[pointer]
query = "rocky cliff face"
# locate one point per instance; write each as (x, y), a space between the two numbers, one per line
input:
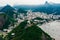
(2, 20)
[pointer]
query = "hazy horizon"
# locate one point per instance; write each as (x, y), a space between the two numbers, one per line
(26, 2)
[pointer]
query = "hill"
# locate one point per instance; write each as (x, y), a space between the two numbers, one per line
(49, 8)
(5, 20)
(31, 33)
(8, 10)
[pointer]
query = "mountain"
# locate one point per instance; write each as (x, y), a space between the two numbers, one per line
(1, 8)
(8, 10)
(20, 10)
(5, 21)
(6, 16)
(49, 8)
(2, 20)
(25, 7)
(30, 33)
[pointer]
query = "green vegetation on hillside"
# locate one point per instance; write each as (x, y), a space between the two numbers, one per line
(7, 20)
(31, 33)
(1, 37)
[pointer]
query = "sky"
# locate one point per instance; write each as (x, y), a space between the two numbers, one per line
(26, 2)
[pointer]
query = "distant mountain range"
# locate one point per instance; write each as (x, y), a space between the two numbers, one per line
(49, 8)
(0, 8)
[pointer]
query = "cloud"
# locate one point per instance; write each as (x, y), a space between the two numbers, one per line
(26, 2)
